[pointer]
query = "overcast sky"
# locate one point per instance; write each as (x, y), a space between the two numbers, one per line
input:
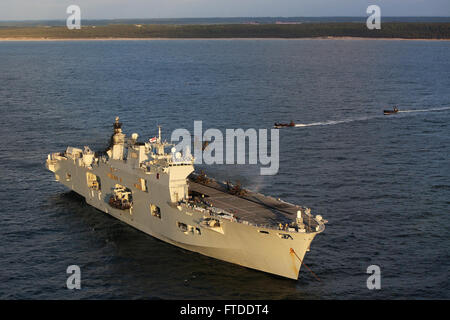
(112, 9)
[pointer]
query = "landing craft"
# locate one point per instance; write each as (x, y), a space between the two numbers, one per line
(159, 193)
(393, 111)
(284, 125)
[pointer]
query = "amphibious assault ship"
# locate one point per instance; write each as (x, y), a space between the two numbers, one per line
(159, 193)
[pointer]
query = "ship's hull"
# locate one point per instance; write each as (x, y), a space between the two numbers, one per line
(233, 242)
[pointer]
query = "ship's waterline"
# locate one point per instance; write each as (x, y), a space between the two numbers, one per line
(158, 193)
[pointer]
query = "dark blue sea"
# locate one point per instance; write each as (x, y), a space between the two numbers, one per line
(382, 182)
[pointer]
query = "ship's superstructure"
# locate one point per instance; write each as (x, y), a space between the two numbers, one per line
(159, 193)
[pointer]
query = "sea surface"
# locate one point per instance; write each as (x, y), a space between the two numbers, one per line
(382, 182)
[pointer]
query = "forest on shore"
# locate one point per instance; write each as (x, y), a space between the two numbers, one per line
(404, 30)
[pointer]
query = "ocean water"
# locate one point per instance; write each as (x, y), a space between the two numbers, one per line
(383, 182)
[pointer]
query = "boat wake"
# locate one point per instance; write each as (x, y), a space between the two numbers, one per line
(426, 110)
(333, 122)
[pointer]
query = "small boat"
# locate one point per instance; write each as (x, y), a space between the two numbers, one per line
(284, 125)
(121, 198)
(118, 203)
(393, 111)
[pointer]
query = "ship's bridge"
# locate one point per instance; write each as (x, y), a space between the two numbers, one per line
(171, 167)
(175, 165)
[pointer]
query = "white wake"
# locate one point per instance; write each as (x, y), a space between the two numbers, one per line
(333, 122)
(426, 110)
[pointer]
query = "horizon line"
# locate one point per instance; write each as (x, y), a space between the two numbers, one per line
(231, 17)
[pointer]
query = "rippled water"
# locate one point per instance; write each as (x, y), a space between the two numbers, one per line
(381, 181)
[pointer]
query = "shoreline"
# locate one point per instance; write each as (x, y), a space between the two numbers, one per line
(19, 39)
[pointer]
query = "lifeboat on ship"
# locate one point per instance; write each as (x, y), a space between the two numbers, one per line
(121, 198)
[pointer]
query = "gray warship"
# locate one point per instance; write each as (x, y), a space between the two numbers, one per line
(159, 193)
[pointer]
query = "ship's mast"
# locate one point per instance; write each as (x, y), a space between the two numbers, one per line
(118, 141)
(159, 145)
